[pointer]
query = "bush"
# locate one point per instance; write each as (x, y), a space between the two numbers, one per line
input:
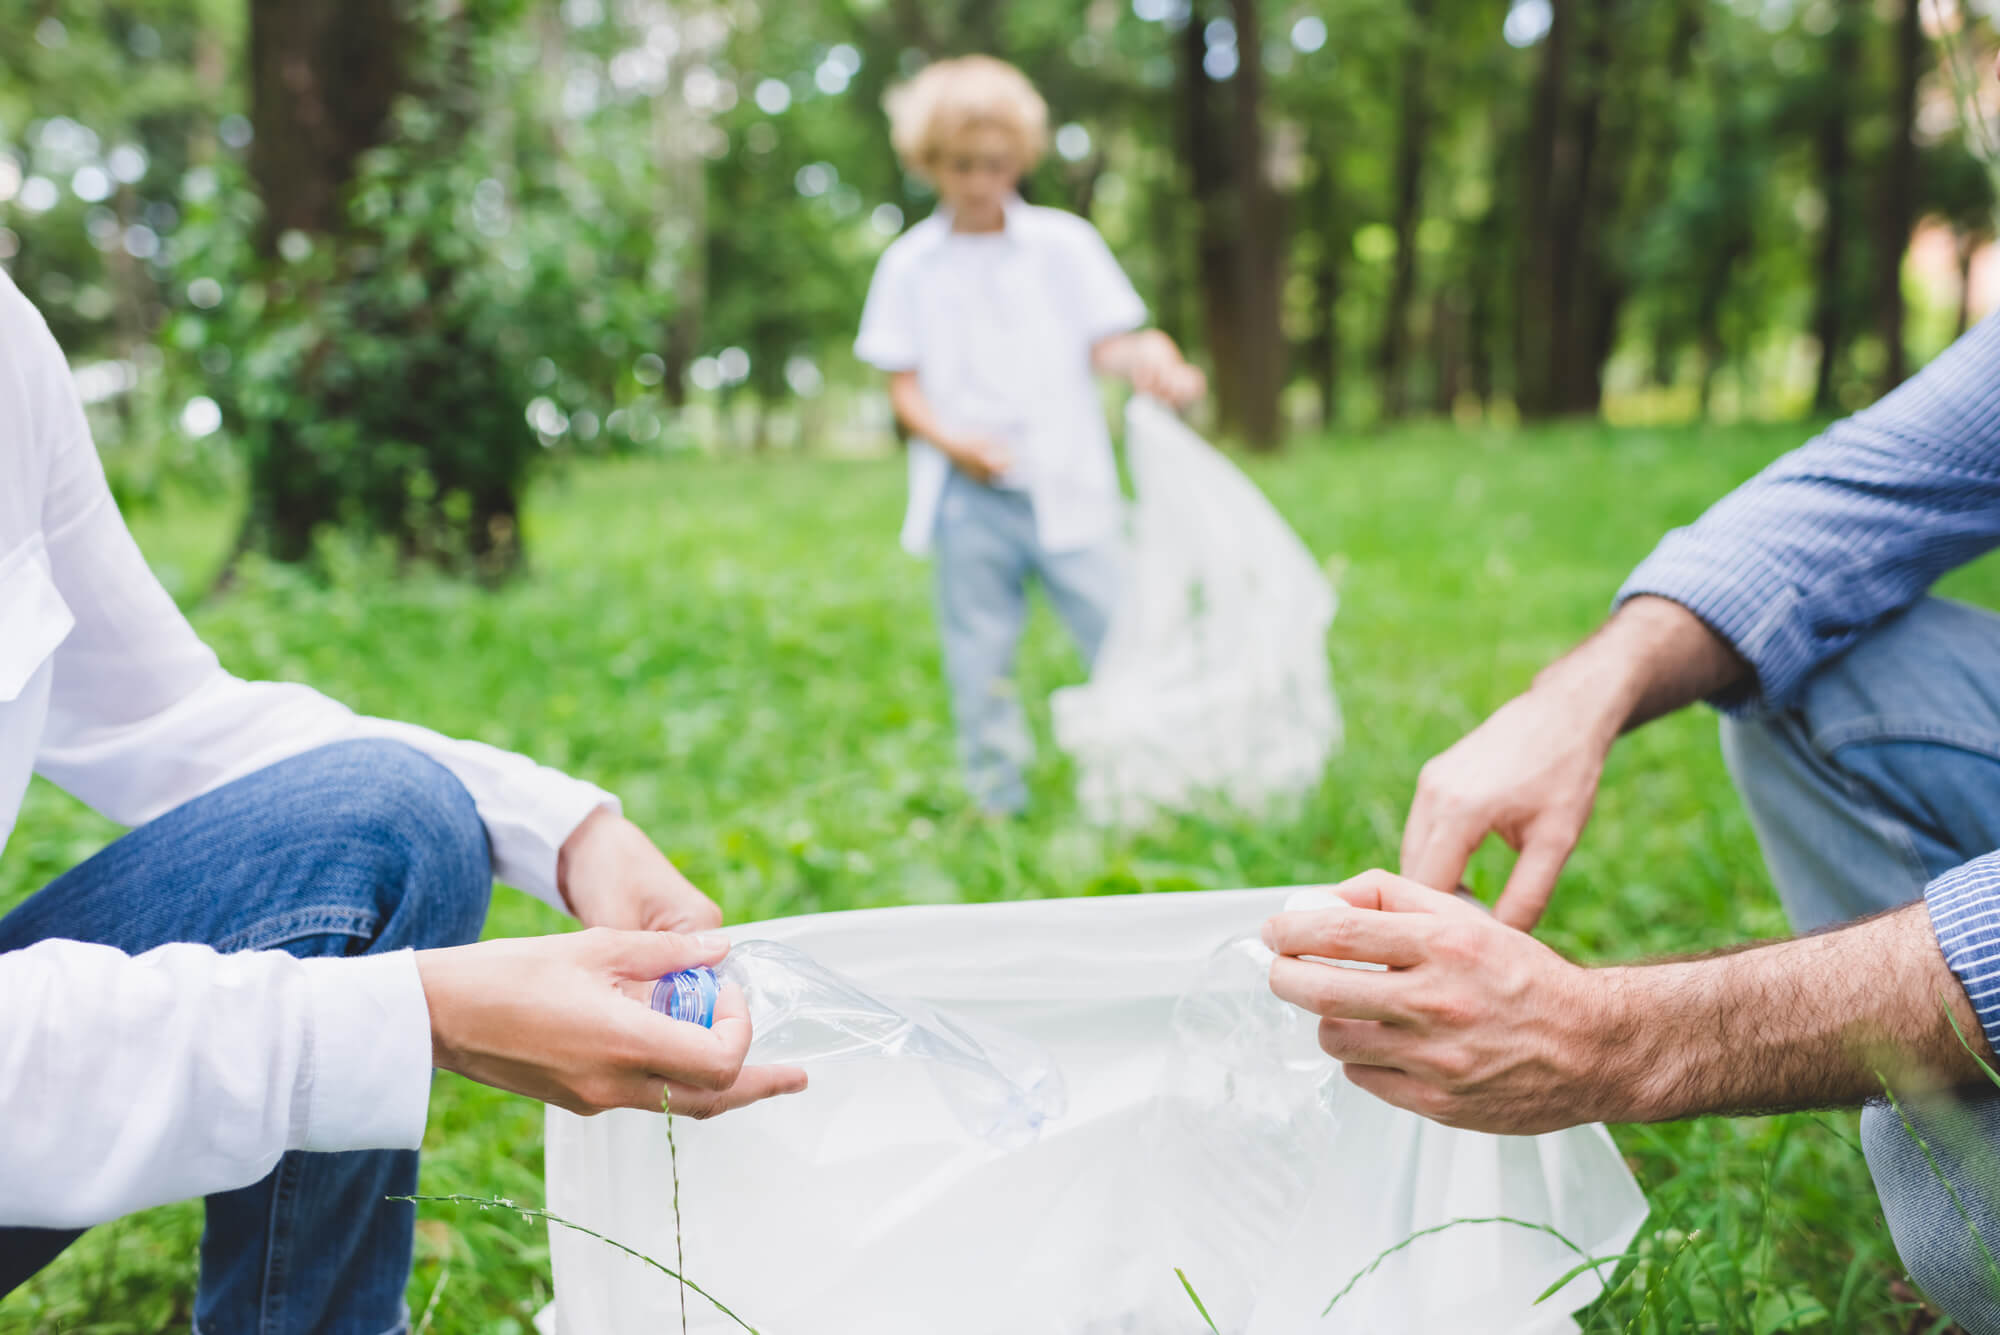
(482, 305)
(375, 381)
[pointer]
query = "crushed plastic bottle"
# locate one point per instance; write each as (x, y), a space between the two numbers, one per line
(1001, 1087)
(688, 995)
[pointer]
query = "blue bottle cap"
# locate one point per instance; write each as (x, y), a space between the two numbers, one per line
(688, 995)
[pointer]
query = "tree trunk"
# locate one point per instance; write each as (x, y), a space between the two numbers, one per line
(683, 177)
(1082, 182)
(323, 76)
(1587, 133)
(1208, 184)
(1602, 284)
(1575, 296)
(1448, 324)
(1259, 243)
(1735, 234)
(1658, 135)
(1481, 323)
(1169, 240)
(1539, 260)
(1412, 134)
(1323, 348)
(1733, 247)
(979, 20)
(1899, 185)
(1830, 150)
(913, 27)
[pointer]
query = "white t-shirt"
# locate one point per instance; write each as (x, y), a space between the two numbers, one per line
(130, 1081)
(999, 328)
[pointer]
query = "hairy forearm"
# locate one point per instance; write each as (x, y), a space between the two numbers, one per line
(1651, 658)
(1820, 1021)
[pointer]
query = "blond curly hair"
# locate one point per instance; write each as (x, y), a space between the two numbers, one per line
(952, 96)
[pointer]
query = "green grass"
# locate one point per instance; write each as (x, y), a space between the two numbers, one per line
(740, 650)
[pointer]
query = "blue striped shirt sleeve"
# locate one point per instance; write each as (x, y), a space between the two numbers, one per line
(1799, 562)
(1964, 905)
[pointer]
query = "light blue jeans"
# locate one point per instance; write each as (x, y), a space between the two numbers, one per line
(986, 548)
(352, 849)
(1885, 774)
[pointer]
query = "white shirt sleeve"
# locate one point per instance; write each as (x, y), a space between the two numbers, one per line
(142, 716)
(128, 1082)
(888, 340)
(1105, 302)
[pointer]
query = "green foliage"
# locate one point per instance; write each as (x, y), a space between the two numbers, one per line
(589, 204)
(744, 655)
(379, 381)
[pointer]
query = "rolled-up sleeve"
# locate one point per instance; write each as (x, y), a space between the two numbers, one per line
(1964, 905)
(1798, 563)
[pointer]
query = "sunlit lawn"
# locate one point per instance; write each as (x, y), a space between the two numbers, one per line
(741, 651)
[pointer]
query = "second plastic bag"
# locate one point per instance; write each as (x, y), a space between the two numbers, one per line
(1212, 684)
(1201, 1132)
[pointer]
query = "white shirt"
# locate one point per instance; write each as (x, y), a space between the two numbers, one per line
(999, 329)
(129, 1081)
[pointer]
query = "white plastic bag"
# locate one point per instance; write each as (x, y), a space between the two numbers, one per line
(1212, 682)
(1001, 1087)
(1191, 1142)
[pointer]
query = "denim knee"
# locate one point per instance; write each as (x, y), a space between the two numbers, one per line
(1933, 1233)
(418, 829)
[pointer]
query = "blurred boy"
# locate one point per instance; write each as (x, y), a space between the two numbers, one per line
(990, 317)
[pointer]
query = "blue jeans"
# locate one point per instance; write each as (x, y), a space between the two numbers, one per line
(1885, 774)
(987, 548)
(355, 848)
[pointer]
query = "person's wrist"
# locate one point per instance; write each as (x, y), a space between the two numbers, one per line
(1601, 684)
(1633, 1078)
(597, 825)
(437, 970)
(1594, 691)
(1666, 657)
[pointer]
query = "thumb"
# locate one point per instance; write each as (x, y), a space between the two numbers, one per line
(652, 954)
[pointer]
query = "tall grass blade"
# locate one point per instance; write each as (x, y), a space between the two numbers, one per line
(437, 1292)
(531, 1212)
(1937, 1171)
(1587, 1263)
(1658, 1278)
(674, 1168)
(1195, 1298)
(1945, 1004)
(1388, 1252)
